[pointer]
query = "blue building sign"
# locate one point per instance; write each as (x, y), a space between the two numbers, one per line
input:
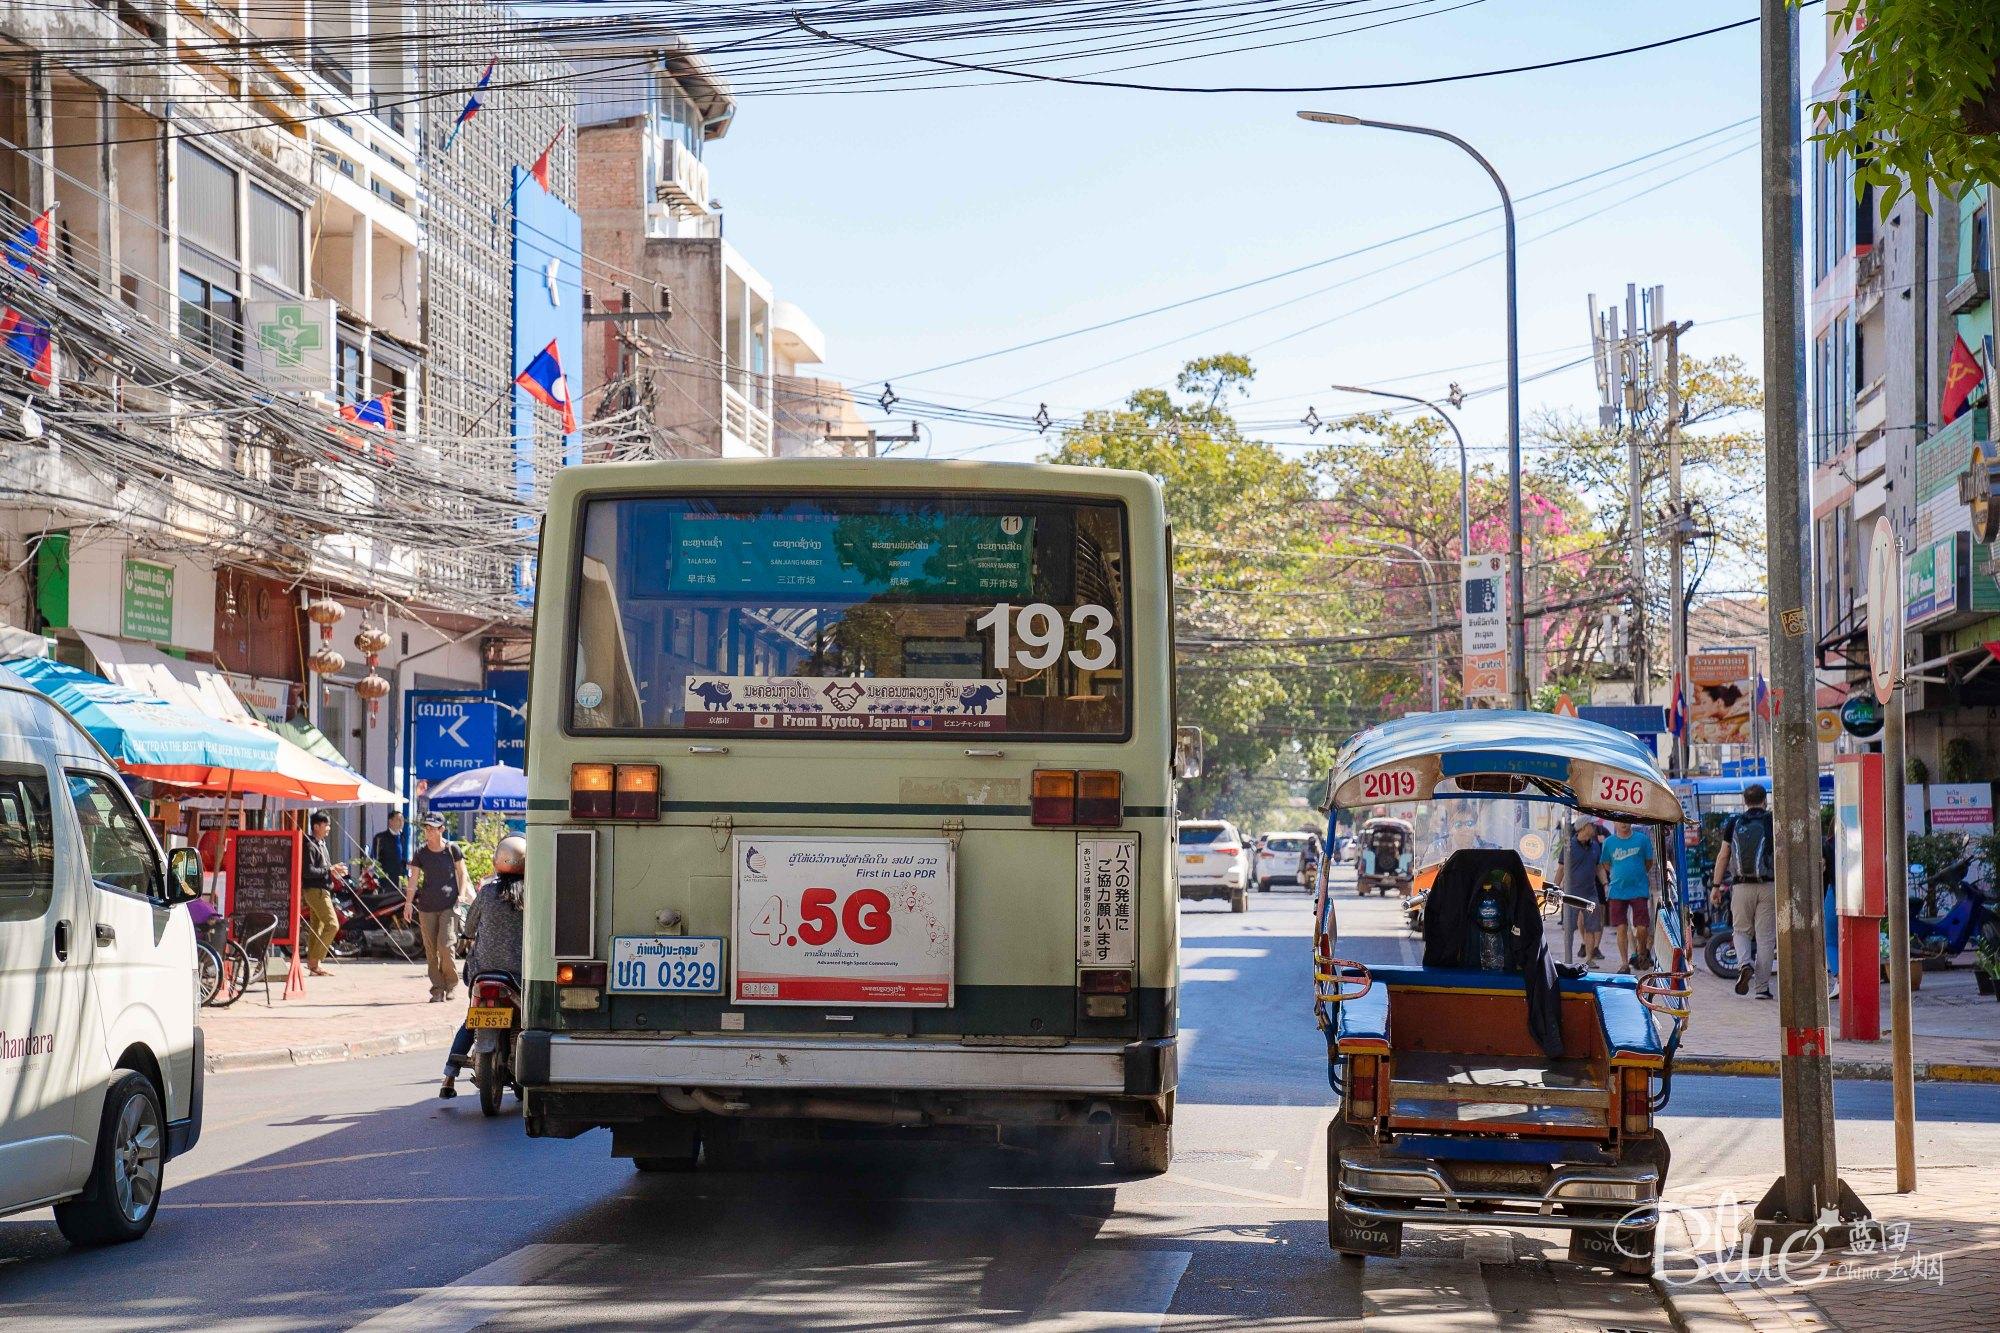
(450, 736)
(509, 688)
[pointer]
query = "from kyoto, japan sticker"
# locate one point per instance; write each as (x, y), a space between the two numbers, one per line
(1107, 881)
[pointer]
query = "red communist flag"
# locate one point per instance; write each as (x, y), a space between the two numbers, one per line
(1961, 374)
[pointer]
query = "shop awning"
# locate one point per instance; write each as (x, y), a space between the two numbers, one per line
(196, 685)
(141, 731)
(317, 744)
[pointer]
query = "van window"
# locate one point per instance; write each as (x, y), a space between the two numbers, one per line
(114, 837)
(27, 848)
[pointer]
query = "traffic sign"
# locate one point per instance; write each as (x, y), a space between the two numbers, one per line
(451, 736)
(1885, 613)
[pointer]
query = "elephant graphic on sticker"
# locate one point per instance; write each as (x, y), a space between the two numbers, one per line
(715, 696)
(975, 698)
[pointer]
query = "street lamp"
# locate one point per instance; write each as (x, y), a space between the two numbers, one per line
(1464, 471)
(1430, 594)
(1517, 634)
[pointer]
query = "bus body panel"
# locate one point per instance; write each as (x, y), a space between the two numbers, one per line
(1016, 893)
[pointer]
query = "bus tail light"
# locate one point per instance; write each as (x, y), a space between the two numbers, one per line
(637, 792)
(1636, 1100)
(590, 791)
(1100, 798)
(1361, 1087)
(580, 985)
(1104, 981)
(1052, 794)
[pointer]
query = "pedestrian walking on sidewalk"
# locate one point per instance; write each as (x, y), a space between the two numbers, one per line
(316, 871)
(1747, 856)
(1628, 890)
(437, 884)
(391, 850)
(1583, 874)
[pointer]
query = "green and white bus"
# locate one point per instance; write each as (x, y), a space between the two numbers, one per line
(850, 801)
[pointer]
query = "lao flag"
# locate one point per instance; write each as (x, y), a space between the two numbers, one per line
(31, 342)
(540, 171)
(472, 103)
(1761, 702)
(1961, 375)
(543, 379)
(28, 248)
(1676, 712)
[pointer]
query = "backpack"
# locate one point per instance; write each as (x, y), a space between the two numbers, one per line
(1750, 845)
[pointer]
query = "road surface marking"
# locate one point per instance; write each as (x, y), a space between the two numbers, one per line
(771, 1294)
(1203, 954)
(1209, 974)
(1265, 1157)
(355, 1203)
(1113, 1291)
(467, 1302)
(1421, 1295)
(1221, 1188)
(320, 1161)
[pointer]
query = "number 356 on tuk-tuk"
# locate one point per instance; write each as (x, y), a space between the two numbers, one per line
(1490, 1086)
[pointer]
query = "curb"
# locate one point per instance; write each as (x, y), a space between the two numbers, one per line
(330, 1052)
(1926, 1071)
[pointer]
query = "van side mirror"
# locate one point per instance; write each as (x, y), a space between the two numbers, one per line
(1187, 753)
(183, 875)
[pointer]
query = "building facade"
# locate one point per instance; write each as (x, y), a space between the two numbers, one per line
(689, 347)
(1893, 300)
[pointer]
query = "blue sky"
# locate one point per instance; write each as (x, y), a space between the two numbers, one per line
(921, 227)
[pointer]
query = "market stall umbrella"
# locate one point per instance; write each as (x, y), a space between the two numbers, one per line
(502, 788)
(142, 732)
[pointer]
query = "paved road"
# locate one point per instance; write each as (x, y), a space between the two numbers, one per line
(347, 1196)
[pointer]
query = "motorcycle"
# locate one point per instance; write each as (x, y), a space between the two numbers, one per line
(371, 918)
(495, 1018)
(1947, 911)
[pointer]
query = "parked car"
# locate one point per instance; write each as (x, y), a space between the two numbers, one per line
(1280, 859)
(1213, 863)
(100, 1058)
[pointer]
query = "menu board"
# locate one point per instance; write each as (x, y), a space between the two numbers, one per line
(814, 556)
(264, 877)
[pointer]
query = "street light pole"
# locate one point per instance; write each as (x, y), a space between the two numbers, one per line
(1464, 468)
(1517, 632)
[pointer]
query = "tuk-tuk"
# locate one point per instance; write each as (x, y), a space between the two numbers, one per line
(1490, 1086)
(1388, 851)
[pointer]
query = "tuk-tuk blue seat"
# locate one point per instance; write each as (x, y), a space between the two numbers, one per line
(1361, 1025)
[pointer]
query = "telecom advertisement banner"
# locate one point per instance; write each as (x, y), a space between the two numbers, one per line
(1483, 580)
(843, 921)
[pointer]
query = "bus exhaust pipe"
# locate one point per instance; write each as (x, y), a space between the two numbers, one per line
(691, 1101)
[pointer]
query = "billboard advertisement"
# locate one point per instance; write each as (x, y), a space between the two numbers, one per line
(1483, 633)
(1721, 686)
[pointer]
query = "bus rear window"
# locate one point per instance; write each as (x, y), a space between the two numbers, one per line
(900, 616)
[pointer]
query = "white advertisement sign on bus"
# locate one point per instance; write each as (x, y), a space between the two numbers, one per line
(1107, 878)
(850, 922)
(844, 703)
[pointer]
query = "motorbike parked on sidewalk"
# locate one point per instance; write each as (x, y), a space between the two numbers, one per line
(495, 1020)
(371, 918)
(1947, 911)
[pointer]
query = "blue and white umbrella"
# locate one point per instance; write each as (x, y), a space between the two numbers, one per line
(501, 788)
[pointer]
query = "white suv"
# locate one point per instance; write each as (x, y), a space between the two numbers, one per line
(100, 1058)
(1213, 864)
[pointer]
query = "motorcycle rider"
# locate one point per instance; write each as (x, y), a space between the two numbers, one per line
(492, 939)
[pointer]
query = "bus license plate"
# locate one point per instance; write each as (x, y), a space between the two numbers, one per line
(666, 965)
(489, 1018)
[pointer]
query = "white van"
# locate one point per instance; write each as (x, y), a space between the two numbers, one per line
(100, 1058)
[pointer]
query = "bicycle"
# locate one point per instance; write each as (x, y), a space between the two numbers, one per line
(208, 974)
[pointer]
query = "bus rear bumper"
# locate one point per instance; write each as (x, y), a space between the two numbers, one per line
(1080, 1068)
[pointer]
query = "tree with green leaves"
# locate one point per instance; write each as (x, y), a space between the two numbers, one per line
(1921, 81)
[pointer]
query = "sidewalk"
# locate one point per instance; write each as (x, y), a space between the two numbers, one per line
(1938, 1271)
(363, 1008)
(1955, 1032)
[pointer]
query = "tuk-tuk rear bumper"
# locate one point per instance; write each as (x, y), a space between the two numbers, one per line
(1605, 1197)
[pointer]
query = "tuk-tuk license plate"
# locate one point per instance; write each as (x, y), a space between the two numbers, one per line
(489, 1018)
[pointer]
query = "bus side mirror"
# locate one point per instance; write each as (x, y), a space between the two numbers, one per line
(183, 875)
(1187, 753)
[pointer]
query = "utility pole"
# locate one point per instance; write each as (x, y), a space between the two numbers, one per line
(1681, 524)
(1810, 1192)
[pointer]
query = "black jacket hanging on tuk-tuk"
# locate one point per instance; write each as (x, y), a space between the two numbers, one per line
(1482, 915)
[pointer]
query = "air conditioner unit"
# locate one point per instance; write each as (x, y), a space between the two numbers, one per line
(684, 184)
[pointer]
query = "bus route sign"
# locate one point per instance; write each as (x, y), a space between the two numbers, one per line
(852, 922)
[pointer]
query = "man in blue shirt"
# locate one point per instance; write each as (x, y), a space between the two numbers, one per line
(1629, 893)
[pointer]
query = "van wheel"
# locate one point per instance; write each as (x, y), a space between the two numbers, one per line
(123, 1193)
(1145, 1150)
(1239, 901)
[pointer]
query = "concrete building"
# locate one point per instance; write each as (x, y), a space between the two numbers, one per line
(1891, 298)
(683, 331)
(256, 225)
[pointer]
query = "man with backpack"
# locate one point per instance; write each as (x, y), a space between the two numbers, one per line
(1749, 849)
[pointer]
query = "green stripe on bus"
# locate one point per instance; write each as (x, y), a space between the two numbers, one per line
(841, 808)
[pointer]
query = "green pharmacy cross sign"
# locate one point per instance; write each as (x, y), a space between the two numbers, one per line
(288, 335)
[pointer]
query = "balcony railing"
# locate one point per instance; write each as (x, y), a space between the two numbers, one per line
(748, 425)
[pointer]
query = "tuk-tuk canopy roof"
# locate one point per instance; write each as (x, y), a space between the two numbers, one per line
(1499, 753)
